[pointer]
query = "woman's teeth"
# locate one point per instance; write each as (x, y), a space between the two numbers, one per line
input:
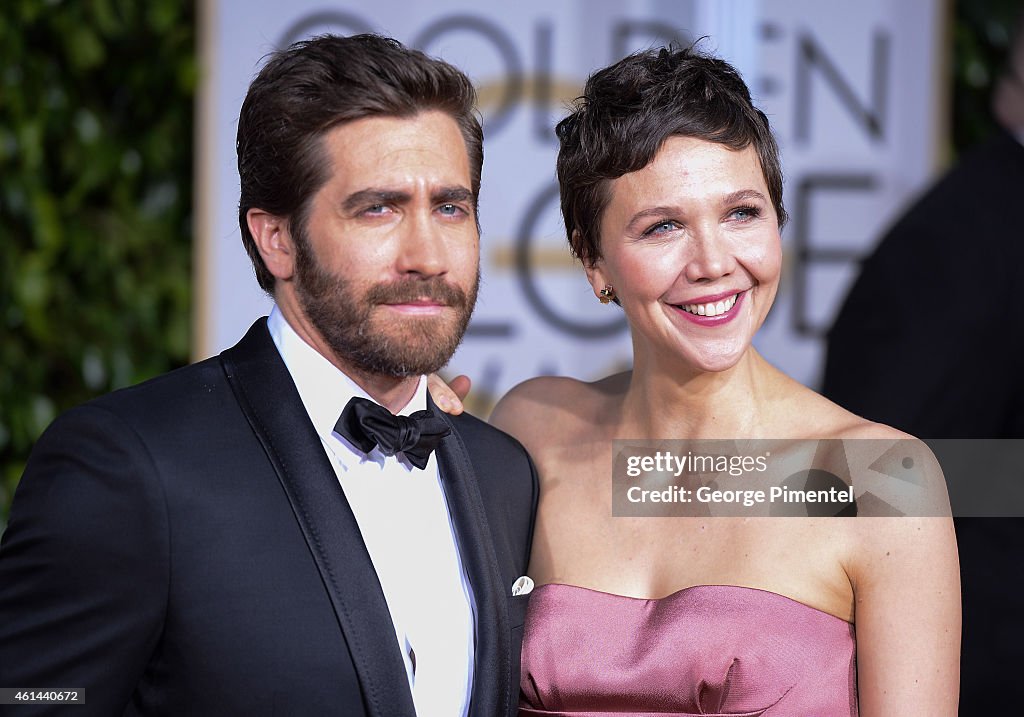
(712, 309)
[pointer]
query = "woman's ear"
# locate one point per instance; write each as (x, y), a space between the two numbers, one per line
(591, 266)
(274, 242)
(600, 282)
(596, 277)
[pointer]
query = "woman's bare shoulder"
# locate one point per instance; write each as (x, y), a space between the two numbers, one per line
(554, 403)
(894, 474)
(815, 416)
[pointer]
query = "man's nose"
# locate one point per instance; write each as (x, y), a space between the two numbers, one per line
(422, 247)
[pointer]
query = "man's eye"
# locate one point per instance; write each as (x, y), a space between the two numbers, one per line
(450, 209)
(375, 209)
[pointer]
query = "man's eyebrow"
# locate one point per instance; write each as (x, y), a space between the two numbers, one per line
(358, 200)
(452, 194)
(362, 198)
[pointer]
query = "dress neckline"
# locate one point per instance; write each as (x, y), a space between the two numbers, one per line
(691, 589)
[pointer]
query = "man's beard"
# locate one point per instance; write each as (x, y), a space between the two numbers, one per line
(399, 347)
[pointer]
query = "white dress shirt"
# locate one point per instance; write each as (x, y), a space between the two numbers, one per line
(405, 524)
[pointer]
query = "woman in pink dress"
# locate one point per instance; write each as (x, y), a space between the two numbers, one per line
(671, 191)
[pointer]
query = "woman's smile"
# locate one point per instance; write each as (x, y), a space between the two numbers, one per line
(712, 310)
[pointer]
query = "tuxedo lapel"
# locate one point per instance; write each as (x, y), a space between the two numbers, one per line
(268, 397)
(491, 691)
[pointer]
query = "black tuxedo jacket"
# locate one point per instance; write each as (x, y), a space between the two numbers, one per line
(183, 547)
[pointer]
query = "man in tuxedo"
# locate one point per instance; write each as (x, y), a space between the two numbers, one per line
(287, 528)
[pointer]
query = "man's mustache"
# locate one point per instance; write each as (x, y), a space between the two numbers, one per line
(406, 291)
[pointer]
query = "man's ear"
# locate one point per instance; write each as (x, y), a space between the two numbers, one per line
(274, 242)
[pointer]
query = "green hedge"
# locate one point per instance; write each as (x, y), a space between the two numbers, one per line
(96, 102)
(96, 105)
(982, 32)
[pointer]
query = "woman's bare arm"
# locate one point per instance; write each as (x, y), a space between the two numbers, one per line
(906, 580)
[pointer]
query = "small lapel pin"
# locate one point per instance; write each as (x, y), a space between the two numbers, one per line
(522, 586)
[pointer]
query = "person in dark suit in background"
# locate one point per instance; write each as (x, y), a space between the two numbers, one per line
(259, 533)
(929, 341)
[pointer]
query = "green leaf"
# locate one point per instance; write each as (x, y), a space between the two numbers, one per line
(84, 48)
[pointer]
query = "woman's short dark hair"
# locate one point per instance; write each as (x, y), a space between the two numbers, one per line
(316, 85)
(626, 113)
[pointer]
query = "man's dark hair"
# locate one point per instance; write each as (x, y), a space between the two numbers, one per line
(626, 113)
(315, 85)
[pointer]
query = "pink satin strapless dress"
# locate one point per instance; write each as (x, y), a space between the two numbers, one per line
(707, 650)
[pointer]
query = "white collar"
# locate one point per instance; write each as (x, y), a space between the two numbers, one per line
(323, 388)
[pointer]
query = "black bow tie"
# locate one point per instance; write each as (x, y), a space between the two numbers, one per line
(367, 424)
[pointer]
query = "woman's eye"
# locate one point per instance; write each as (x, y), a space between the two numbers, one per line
(660, 228)
(745, 213)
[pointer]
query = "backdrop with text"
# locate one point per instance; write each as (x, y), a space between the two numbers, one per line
(854, 92)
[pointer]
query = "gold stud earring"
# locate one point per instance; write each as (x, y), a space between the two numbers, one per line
(606, 294)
